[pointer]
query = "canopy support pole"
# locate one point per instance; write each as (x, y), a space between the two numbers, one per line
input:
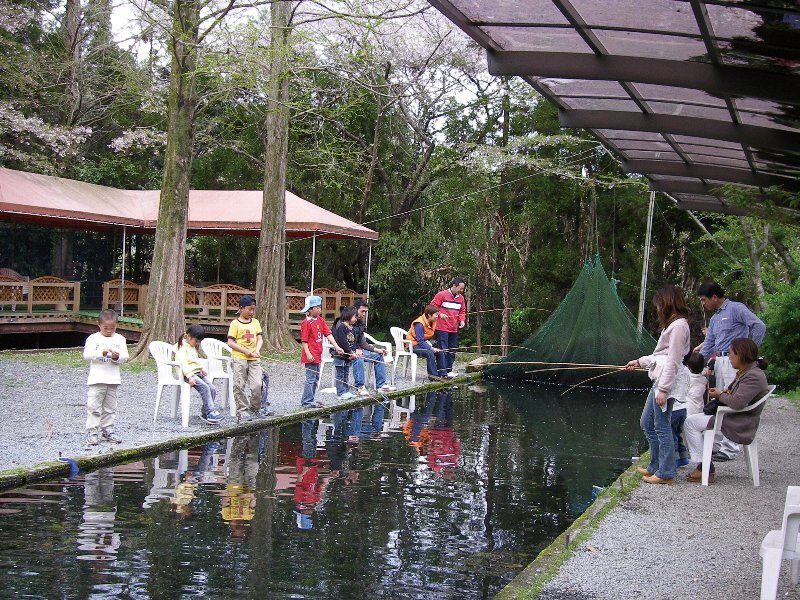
(122, 278)
(646, 264)
(369, 274)
(313, 260)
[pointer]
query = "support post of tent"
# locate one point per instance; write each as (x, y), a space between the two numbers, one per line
(313, 260)
(646, 264)
(369, 274)
(122, 277)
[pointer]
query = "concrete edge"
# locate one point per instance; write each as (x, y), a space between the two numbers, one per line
(12, 478)
(530, 582)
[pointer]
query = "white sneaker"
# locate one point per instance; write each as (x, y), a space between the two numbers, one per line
(388, 388)
(452, 374)
(363, 391)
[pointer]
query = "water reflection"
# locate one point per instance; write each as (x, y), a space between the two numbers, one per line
(445, 494)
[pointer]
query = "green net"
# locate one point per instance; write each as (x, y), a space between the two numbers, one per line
(591, 327)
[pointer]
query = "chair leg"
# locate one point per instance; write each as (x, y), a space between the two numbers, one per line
(174, 400)
(231, 399)
(794, 570)
(708, 446)
(770, 571)
(412, 360)
(158, 400)
(185, 392)
(752, 462)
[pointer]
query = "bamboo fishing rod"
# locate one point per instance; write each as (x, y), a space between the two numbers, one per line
(616, 370)
(580, 368)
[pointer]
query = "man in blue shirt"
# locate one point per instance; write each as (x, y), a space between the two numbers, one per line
(730, 320)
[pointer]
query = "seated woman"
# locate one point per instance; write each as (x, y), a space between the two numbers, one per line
(750, 385)
(422, 329)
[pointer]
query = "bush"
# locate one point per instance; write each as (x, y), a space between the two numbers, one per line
(781, 345)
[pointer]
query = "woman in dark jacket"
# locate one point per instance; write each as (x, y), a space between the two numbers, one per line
(748, 387)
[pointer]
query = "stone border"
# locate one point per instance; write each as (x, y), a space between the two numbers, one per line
(58, 468)
(530, 582)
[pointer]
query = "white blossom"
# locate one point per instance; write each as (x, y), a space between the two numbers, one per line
(140, 138)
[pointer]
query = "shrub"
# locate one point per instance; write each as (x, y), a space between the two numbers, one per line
(781, 345)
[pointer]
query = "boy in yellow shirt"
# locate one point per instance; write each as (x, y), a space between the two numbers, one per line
(245, 341)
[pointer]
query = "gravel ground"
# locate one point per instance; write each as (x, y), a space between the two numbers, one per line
(46, 403)
(687, 541)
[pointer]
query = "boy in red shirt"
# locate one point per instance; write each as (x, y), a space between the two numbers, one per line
(313, 330)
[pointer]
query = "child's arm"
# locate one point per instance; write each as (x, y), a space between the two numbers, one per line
(307, 351)
(259, 343)
(91, 350)
(234, 346)
(122, 355)
(335, 344)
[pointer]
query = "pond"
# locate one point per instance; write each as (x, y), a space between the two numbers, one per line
(447, 494)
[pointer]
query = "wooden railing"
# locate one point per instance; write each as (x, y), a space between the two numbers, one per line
(40, 295)
(219, 302)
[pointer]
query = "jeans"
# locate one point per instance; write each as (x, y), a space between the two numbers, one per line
(371, 358)
(342, 374)
(678, 418)
(447, 339)
(206, 391)
(310, 385)
(430, 356)
(657, 427)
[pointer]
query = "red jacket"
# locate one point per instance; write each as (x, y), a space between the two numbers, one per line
(451, 310)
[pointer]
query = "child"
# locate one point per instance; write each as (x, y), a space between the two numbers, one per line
(312, 331)
(106, 351)
(186, 356)
(345, 351)
(245, 341)
(698, 384)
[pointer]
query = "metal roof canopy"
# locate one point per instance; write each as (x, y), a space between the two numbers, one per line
(691, 93)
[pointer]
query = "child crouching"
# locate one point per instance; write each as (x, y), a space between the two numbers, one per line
(197, 377)
(105, 350)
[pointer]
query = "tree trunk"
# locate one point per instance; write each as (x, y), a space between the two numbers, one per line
(786, 257)
(755, 252)
(72, 54)
(271, 274)
(163, 317)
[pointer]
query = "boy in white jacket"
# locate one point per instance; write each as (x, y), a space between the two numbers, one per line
(106, 351)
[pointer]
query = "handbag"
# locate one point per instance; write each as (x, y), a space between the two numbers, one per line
(711, 407)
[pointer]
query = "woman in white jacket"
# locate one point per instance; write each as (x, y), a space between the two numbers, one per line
(665, 368)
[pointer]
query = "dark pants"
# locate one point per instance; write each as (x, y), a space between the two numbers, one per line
(681, 451)
(429, 356)
(446, 340)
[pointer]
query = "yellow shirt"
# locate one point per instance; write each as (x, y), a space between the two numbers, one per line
(245, 335)
(188, 359)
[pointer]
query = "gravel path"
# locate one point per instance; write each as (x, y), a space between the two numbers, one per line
(46, 407)
(686, 541)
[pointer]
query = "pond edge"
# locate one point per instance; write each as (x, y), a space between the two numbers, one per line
(530, 582)
(12, 478)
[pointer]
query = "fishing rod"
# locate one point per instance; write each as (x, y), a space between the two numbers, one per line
(616, 370)
(580, 368)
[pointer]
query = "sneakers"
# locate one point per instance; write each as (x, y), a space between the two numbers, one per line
(112, 437)
(452, 374)
(91, 440)
(363, 391)
(721, 457)
(436, 378)
(265, 412)
(387, 388)
(244, 416)
(681, 462)
(212, 418)
(347, 396)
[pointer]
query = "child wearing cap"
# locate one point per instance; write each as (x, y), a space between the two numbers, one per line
(245, 341)
(197, 377)
(313, 330)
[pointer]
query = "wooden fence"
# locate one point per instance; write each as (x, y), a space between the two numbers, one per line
(43, 295)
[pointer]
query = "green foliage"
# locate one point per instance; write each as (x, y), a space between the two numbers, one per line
(781, 345)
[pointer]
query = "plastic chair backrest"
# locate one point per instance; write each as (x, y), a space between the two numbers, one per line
(215, 350)
(398, 335)
(722, 410)
(163, 353)
(791, 519)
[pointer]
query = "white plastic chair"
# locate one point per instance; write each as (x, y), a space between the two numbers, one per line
(220, 367)
(327, 359)
(399, 413)
(781, 544)
(403, 349)
(166, 480)
(751, 449)
(169, 373)
(388, 359)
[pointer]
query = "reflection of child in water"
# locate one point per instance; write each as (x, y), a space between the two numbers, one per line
(430, 432)
(239, 499)
(96, 534)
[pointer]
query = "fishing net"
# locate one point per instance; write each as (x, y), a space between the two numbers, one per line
(589, 329)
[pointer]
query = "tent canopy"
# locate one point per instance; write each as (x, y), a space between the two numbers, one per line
(691, 93)
(59, 202)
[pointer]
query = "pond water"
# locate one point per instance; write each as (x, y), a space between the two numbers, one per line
(447, 494)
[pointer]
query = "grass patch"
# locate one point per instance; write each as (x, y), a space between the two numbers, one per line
(794, 397)
(69, 359)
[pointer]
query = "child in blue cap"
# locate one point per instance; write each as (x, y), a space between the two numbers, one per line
(313, 330)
